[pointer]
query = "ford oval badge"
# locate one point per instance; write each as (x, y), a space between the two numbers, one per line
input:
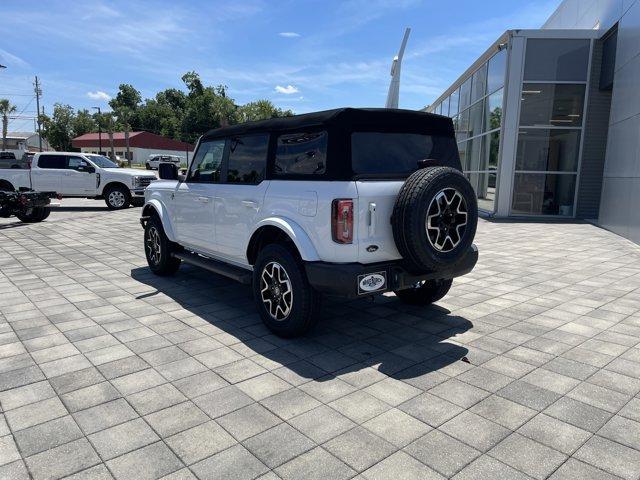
(372, 282)
(372, 248)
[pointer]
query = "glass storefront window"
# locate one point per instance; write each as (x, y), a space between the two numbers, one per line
(465, 94)
(552, 104)
(462, 150)
(476, 117)
(453, 102)
(479, 87)
(494, 111)
(445, 107)
(475, 153)
(485, 188)
(548, 150)
(494, 147)
(556, 59)
(463, 126)
(496, 72)
(543, 194)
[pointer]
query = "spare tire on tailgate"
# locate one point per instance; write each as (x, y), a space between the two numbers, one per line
(434, 218)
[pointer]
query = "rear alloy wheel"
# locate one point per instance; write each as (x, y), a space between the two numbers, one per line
(117, 198)
(276, 291)
(425, 292)
(158, 249)
(286, 302)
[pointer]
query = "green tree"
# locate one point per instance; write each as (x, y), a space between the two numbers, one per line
(261, 110)
(59, 128)
(6, 109)
(84, 122)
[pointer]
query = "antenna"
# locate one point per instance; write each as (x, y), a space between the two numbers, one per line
(394, 87)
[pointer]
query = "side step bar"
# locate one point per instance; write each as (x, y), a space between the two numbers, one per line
(236, 273)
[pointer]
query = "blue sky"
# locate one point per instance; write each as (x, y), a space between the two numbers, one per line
(305, 55)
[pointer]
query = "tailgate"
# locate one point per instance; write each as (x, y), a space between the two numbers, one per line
(376, 199)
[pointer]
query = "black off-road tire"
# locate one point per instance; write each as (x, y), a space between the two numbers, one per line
(429, 292)
(409, 219)
(302, 315)
(112, 193)
(161, 262)
(36, 215)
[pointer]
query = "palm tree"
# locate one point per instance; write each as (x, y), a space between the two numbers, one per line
(6, 109)
(124, 117)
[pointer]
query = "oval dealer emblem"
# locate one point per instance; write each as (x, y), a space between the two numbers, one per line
(372, 282)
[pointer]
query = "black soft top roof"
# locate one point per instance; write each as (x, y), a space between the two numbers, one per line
(347, 119)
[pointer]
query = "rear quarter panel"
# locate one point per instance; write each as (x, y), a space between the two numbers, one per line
(308, 203)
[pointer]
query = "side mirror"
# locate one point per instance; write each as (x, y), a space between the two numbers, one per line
(168, 171)
(86, 168)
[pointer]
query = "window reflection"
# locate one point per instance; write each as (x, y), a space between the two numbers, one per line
(552, 104)
(548, 150)
(543, 194)
(496, 73)
(556, 59)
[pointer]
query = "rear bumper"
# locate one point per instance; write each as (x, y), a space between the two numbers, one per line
(343, 279)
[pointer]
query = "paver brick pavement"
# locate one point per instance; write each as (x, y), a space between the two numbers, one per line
(529, 368)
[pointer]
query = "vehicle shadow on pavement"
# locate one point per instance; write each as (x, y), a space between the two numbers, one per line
(17, 223)
(400, 341)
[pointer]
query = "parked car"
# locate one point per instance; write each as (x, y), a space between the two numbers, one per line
(9, 160)
(74, 174)
(348, 202)
(155, 160)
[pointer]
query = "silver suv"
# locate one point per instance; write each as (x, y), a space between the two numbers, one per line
(348, 202)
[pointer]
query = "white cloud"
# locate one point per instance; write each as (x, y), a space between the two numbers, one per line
(289, 34)
(288, 90)
(99, 95)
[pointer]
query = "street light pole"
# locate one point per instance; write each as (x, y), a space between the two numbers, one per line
(99, 130)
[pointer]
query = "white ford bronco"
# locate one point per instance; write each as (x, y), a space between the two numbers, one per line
(75, 174)
(348, 202)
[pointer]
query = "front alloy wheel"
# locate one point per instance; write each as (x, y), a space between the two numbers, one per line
(447, 218)
(276, 291)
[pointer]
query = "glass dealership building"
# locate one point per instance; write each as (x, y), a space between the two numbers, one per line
(536, 118)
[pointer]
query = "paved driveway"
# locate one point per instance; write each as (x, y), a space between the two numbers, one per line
(529, 368)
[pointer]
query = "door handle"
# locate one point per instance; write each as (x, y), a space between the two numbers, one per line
(250, 204)
(203, 199)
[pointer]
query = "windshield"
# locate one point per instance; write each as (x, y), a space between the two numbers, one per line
(103, 162)
(377, 153)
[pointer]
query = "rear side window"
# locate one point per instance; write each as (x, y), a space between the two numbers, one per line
(376, 153)
(52, 161)
(247, 158)
(302, 153)
(205, 167)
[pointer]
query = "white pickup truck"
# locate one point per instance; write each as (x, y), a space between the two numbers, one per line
(74, 174)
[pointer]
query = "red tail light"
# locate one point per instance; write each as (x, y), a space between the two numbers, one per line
(342, 220)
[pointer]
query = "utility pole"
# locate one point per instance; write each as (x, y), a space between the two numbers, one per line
(38, 110)
(99, 130)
